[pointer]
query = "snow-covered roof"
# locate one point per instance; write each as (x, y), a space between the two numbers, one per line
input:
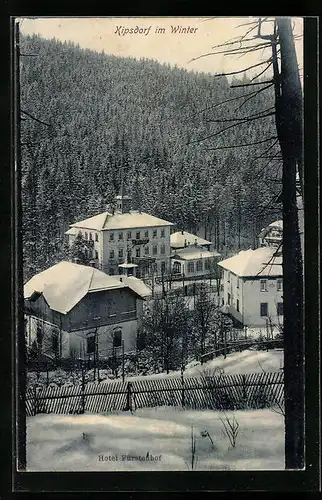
(72, 230)
(263, 261)
(127, 265)
(194, 252)
(278, 224)
(181, 239)
(65, 284)
(137, 285)
(118, 220)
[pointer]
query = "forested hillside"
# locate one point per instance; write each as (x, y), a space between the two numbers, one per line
(106, 112)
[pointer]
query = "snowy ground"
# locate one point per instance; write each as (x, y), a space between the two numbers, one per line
(122, 441)
(238, 362)
(248, 361)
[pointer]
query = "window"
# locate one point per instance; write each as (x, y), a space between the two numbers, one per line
(191, 267)
(111, 254)
(146, 234)
(228, 276)
(138, 252)
(223, 301)
(228, 299)
(120, 253)
(279, 308)
(120, 236)
(129, 235)
(162, 249)
(146, 250)
(96, 237)
(155, 249)
(90, 344)
(279, 285)
(111, 236)
(176, 267)
(237, 305)
(264, 309)
(162, 267)
(221, 287)
(96, 254)
(162, 233)
(199, 265)
(138, 235)
(117, 338)
(90, 236)
(263, 286)
(237, 283)
(155, 233)
(86, 236)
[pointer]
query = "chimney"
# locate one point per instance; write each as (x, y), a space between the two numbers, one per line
(196, 241)
(76, 260)
(182, 232)
(185, 243)
(121, 280)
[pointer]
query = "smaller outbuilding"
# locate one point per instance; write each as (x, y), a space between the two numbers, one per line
(75, 311)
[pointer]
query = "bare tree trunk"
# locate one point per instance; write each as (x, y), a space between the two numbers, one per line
(289, 128)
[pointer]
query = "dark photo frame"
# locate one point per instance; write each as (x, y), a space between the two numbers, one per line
(307, 479)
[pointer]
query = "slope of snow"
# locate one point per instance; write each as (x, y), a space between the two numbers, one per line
(244, 362)
(154, 439)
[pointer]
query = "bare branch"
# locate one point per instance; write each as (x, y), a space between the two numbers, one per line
(229, 127)
(252, 84)
(237, 50)
(243, 119)
(254, 95)
(34, 118)
(241, 70)
(229, 100)
(262, 72)
(266, 151)
(243, 145)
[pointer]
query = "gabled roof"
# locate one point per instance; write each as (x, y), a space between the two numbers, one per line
(118, 220)
(194, 252)
(65, 284)
(181, 239)
(278, 224)
(137, 285)
(264, 261)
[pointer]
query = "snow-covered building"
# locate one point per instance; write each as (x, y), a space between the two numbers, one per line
(194, 261)
(272, 234)
(252, 286)
(183, 239)
(122, 235)
(73, 309)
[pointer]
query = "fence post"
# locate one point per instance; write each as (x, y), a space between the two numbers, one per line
(129, 397)
(244, 388)
(83, 390)
(35, 401)
(182, 391)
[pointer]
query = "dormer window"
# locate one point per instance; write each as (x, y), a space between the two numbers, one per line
(111, 236)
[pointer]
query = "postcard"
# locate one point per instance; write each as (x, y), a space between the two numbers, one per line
(160, 179)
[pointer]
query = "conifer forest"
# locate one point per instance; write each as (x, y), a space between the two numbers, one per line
(102, 117)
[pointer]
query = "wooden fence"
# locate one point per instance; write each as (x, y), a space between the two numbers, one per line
(219, 392)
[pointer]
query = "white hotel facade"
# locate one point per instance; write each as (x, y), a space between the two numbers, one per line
(124, 236)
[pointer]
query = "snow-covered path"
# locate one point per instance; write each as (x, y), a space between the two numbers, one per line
(153, 439)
